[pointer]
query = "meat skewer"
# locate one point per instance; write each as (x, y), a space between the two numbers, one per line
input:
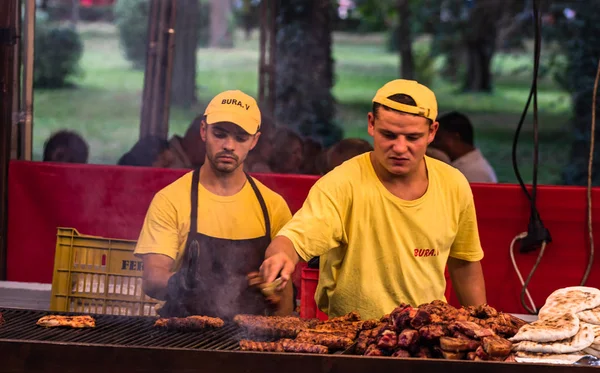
(283, 345)
(190, 323)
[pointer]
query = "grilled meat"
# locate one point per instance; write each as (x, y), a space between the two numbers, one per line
(272, 326)
(450, 344)
(246, 345)
(401, 320)
(408, 338)
(272, 296)
(82, 321)
(333, 342)
(388, 340)
(432, 332)
(373, 350)
(352, 316)
(470, 329)
(1, 319)
(496, 346)
(283, 345)
(401, 353)
(453, 355)
(423, 353)
(365, 338)
(190, 323)
(369, 324)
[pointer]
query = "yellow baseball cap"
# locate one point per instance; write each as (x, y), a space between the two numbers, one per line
(236, 107)
(423, 96)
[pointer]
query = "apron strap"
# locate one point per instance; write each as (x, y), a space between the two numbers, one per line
(194, 199)
(263, 206)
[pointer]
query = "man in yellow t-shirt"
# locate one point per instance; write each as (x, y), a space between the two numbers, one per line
(207, 230)
(386, 223)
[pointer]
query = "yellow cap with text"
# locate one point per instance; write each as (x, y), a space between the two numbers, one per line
(236, 107)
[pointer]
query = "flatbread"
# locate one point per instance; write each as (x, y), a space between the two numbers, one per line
(535, 357)
(571, 299)
(583, 339)
(592, 351)
(555, 328)
(590, 316)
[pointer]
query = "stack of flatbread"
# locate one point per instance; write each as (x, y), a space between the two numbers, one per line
(568, 327)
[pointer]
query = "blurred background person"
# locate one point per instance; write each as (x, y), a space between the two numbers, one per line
(345, 150)
(288, 152)
(188, 151)
(437, 154)
(150, 151)
(311, 156)
(455, 137)
(66, 147)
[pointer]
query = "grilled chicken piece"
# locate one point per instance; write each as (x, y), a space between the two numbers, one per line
(408, 338)
(496, 346)
(388, 340)
(450, 344)
(190, 323)
(333, 342)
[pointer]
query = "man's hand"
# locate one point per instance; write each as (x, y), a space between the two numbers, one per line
(468, 282)
(281, 260)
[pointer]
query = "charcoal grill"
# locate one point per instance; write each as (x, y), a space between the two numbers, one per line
(130, 343)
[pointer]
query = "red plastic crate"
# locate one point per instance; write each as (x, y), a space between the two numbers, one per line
(308, 286)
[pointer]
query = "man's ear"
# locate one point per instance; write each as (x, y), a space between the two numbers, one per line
(203, 130)
(255, 140)
(371, 124)
(433, 128)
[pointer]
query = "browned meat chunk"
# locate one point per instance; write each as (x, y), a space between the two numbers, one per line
(332, 341)
(1, 319)
(457, 344)
(372, 350)
(470, 329)
(496, 346)
(388, 340)
(481, 354)
(408, 338)
(401, 353)
(363, 340)
(402, 319)
(485, 311)
(510, 359)
(369, 324)
(271, 326)
(421, 318)
(246, 345)
(190, 323)
(352, 316)
(471, 355)
(432, 332)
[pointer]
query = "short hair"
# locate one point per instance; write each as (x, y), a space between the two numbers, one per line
(144, 152)
(66, 146)
(455, 122)
(345, 150)
(400, 98)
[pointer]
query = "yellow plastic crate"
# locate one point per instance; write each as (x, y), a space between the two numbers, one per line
(98, 275)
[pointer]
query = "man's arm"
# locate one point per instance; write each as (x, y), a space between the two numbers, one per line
(156, 274)
(468, 282)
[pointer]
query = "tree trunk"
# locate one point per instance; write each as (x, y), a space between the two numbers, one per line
(183, 85)
(407, 63)
(304, 69)
(480, 42)
(220, 33)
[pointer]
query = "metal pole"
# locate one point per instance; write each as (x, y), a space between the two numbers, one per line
(27, 94)
(15, 143)
(8, 35)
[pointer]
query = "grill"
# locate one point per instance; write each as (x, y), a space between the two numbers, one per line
(130, 343)
(118, 331)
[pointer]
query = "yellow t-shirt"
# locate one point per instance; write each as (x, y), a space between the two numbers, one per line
(378, 250)
(239, 216)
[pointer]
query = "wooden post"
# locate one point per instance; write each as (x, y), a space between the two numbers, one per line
(156, 97)
(8, 33)
(266, 67)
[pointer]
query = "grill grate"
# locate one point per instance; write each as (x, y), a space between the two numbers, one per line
(135, 331)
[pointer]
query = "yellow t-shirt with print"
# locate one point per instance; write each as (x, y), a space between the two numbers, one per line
(378, 250)
(235, 217)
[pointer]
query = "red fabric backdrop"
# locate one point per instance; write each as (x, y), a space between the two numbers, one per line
(111, 201)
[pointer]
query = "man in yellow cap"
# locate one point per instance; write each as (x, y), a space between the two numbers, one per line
(386, 223)
(207, 230)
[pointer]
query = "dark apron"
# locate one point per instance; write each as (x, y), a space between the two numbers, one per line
(220, 285)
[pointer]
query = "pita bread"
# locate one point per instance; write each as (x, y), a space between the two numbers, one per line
(534, 357)
(583, 339)
(555, 328)
(570, 299)
(592, 351)
(590, 316)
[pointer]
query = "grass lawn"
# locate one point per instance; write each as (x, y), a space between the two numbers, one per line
(105, 105)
